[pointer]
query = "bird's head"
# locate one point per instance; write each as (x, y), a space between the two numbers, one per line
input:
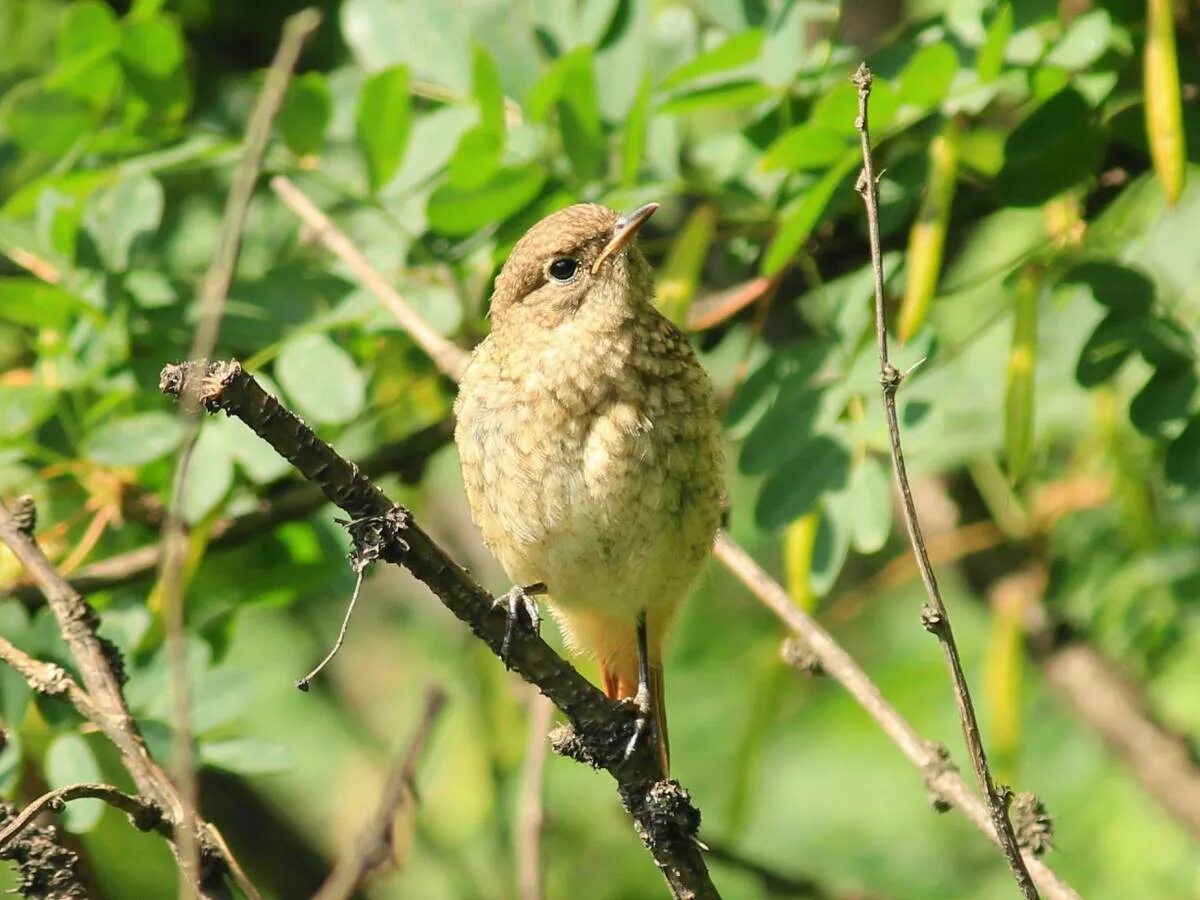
(581, 257)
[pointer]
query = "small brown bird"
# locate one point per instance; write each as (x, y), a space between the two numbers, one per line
(590, 446)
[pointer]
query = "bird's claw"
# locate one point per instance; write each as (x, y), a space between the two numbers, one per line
(518, 600)
(643, 725)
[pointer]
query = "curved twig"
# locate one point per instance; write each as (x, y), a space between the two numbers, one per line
(144, 815)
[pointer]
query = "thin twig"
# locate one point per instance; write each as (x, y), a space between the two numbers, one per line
(213, 291)
(447, 356)
(100, 700)
(146, 816)
(599, 729)
(303, 683)
(374, 845)
(531, 807)
(935, 617)
(942, 779)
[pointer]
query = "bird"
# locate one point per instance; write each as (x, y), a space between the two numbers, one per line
(590, 449)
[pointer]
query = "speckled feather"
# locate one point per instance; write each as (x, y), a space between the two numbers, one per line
(589, 443)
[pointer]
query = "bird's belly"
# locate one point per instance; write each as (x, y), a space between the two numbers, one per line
(611, 512)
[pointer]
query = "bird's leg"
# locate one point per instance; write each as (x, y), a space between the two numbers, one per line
(518, 600)
(645, 723)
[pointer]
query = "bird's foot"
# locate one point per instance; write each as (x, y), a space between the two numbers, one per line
(517, 601)
(643, 725)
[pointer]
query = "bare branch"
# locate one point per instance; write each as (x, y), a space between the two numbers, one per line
(144, 815)
(374, 845)
(100, 698)
(447, 356)
(213, 292)
(531, 811)
(662, 810)
(935, 616)
(942, 779)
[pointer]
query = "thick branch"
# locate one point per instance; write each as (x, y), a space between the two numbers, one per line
(374, 845)
(662, 811)
(935, 617)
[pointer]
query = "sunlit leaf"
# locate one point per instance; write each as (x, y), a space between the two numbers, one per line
(383, 122)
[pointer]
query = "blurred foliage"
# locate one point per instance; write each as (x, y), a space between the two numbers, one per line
(1040, 223)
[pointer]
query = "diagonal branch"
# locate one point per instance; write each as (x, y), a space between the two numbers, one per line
(934, 616)
(942, 779)
(375, 843)
(601, 730)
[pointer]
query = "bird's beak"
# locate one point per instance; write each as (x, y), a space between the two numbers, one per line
(623, 232)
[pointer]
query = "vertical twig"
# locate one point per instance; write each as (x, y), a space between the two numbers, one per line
(934, 616)
(213, 291)
(531, 813)
(374, 845)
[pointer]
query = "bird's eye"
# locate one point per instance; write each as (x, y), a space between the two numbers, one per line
(563, 269)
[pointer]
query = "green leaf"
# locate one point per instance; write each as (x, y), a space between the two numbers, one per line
(1124, 290)
(579, 114)
(1111, 343)
(117, 216)
(11, 756)
(1165, 400)
(633, 147)
(321, 379)
(990, 60)
(821, 465)
(1182, 465)
(804, 147)
(209, 475)
(1061, 128)
(305, 114)
(88, 27)
(69, 760)
(455, 212)
(735, 94)
(1085, 41)
(248, 756)
(253, 455)
(739, 50)
(831, 546)
(785, 429)
(24, 407)
(36, 304)
(384, 113)
(927, 77)
(219, 696)
(151, 289)
(869, 505)
(134, 441)
(49, 122)
(802, 217)
(477, 158)
(155, 60)
(489, 93)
